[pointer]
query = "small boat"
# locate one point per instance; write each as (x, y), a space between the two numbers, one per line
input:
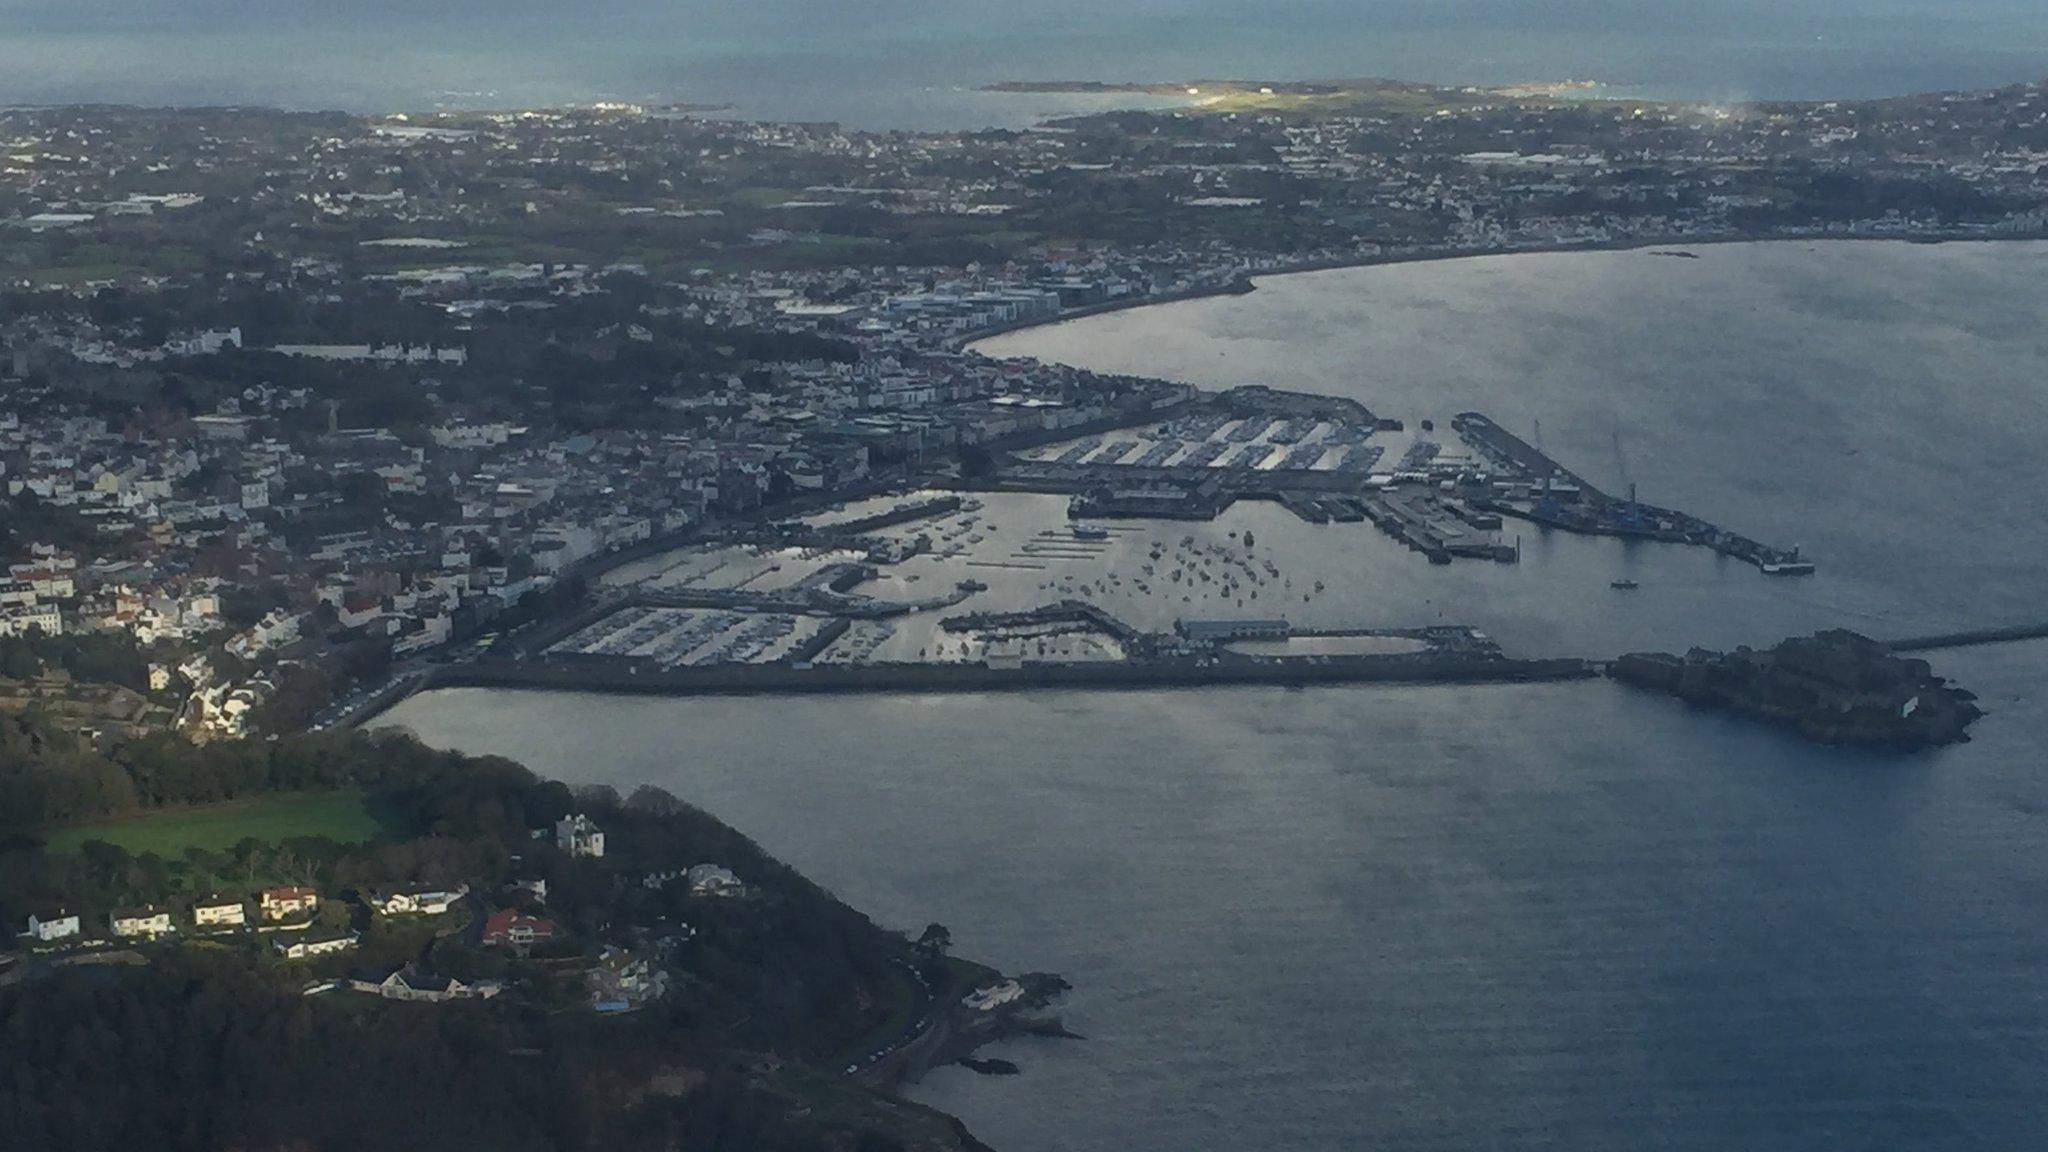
(1624, 585)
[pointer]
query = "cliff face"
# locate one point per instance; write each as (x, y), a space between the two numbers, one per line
(1836, 687)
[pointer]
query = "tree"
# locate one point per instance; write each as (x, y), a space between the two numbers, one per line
(976, 462)
(655, 801)
(17, 661)
(205, 868)
(598, 797)
(548, 802)
(106, 863)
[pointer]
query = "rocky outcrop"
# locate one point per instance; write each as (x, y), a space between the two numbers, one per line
(1836, 687)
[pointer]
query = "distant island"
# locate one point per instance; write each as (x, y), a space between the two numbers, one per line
(1837, 687)
(1283, 95)
(1326, 97)
(1294, 86)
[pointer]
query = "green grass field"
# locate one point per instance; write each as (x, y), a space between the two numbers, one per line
(340, 816)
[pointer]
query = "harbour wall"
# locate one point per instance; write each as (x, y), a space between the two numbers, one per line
(1970, 639)
(763, 679)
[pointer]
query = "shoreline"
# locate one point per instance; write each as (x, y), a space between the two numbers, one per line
(1246, 282)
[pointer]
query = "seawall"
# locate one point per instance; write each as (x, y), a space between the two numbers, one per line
(1970, 639)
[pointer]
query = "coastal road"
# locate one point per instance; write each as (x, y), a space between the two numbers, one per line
(869, 1061)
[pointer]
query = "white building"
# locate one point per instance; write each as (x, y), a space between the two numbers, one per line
(21, 620)
(420, 988)
(434, 630)
(421, 900)
(713, 880)
(315, 944)
(578, 836)
(470, 437)
(994, 996)
(365, 353)
(206, 343)
(276, 629)
(56, 926)
(148, 920)
(219, 912)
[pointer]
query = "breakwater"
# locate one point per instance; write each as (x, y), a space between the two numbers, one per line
(1970, 639)
(795, 679)
(762, 679)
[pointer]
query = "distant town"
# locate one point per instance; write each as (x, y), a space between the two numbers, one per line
(297, 408)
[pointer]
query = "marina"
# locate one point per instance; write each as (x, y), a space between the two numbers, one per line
(1254, 558)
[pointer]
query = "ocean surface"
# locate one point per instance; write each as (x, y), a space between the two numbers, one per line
(1557, 916)
(898, 64)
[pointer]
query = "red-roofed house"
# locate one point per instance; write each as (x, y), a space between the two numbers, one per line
(509, 926)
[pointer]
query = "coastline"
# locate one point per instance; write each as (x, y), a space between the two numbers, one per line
(1247, 282)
